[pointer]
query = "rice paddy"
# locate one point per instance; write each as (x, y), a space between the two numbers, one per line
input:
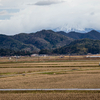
(51, 72)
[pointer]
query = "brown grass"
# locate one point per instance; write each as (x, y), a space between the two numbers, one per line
(71, 79)
(49, 64)
(50, 96)
(84, 73)
(48, 58)
(44, 69)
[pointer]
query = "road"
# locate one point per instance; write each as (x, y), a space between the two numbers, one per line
(75, 89)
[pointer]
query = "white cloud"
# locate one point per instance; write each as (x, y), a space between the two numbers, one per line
(15, 4)
(4, 12)
(78, 14)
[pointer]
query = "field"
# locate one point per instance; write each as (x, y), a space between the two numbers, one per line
(49, 72)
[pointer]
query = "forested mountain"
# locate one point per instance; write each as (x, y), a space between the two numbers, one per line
(75, 35)
(45, 39)
(8, 42)
(82, 46)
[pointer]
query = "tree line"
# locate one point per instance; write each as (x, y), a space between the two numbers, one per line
(9, 52)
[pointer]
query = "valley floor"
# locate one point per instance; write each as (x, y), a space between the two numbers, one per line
(50, 73)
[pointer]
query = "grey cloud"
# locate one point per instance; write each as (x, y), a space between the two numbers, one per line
(48, 2)
(92, 13)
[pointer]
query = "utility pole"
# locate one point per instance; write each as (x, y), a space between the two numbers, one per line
(69, 56)
(38, 58)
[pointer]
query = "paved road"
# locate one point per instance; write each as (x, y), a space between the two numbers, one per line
(75, 89)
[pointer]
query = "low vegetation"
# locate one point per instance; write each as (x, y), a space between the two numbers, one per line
(50, 96)
(49, 73)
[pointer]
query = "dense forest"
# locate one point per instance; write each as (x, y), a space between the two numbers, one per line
(9, 52)
(79, 47)
(50, 42)
(45, 39)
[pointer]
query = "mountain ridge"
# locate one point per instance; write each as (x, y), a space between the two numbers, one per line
(45, 39)
(93, 34)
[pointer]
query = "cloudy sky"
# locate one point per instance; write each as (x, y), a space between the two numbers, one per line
(17, 16)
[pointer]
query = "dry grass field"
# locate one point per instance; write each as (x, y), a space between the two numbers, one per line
(47, 73)
(50, 96)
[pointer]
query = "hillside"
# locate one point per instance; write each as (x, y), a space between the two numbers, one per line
(7, 42)
(75, 35)
(45, 39)
(82, 46)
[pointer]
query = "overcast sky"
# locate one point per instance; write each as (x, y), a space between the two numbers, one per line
(17, 16)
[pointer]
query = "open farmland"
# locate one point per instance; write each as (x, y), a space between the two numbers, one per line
(50, 96)
(51, 72)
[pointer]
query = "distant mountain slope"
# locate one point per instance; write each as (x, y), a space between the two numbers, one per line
(45, 39)
(82, 46)
(48, 39)
(10, 43)
(75, 35)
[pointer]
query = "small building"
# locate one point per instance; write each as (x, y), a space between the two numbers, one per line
(34, 55)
